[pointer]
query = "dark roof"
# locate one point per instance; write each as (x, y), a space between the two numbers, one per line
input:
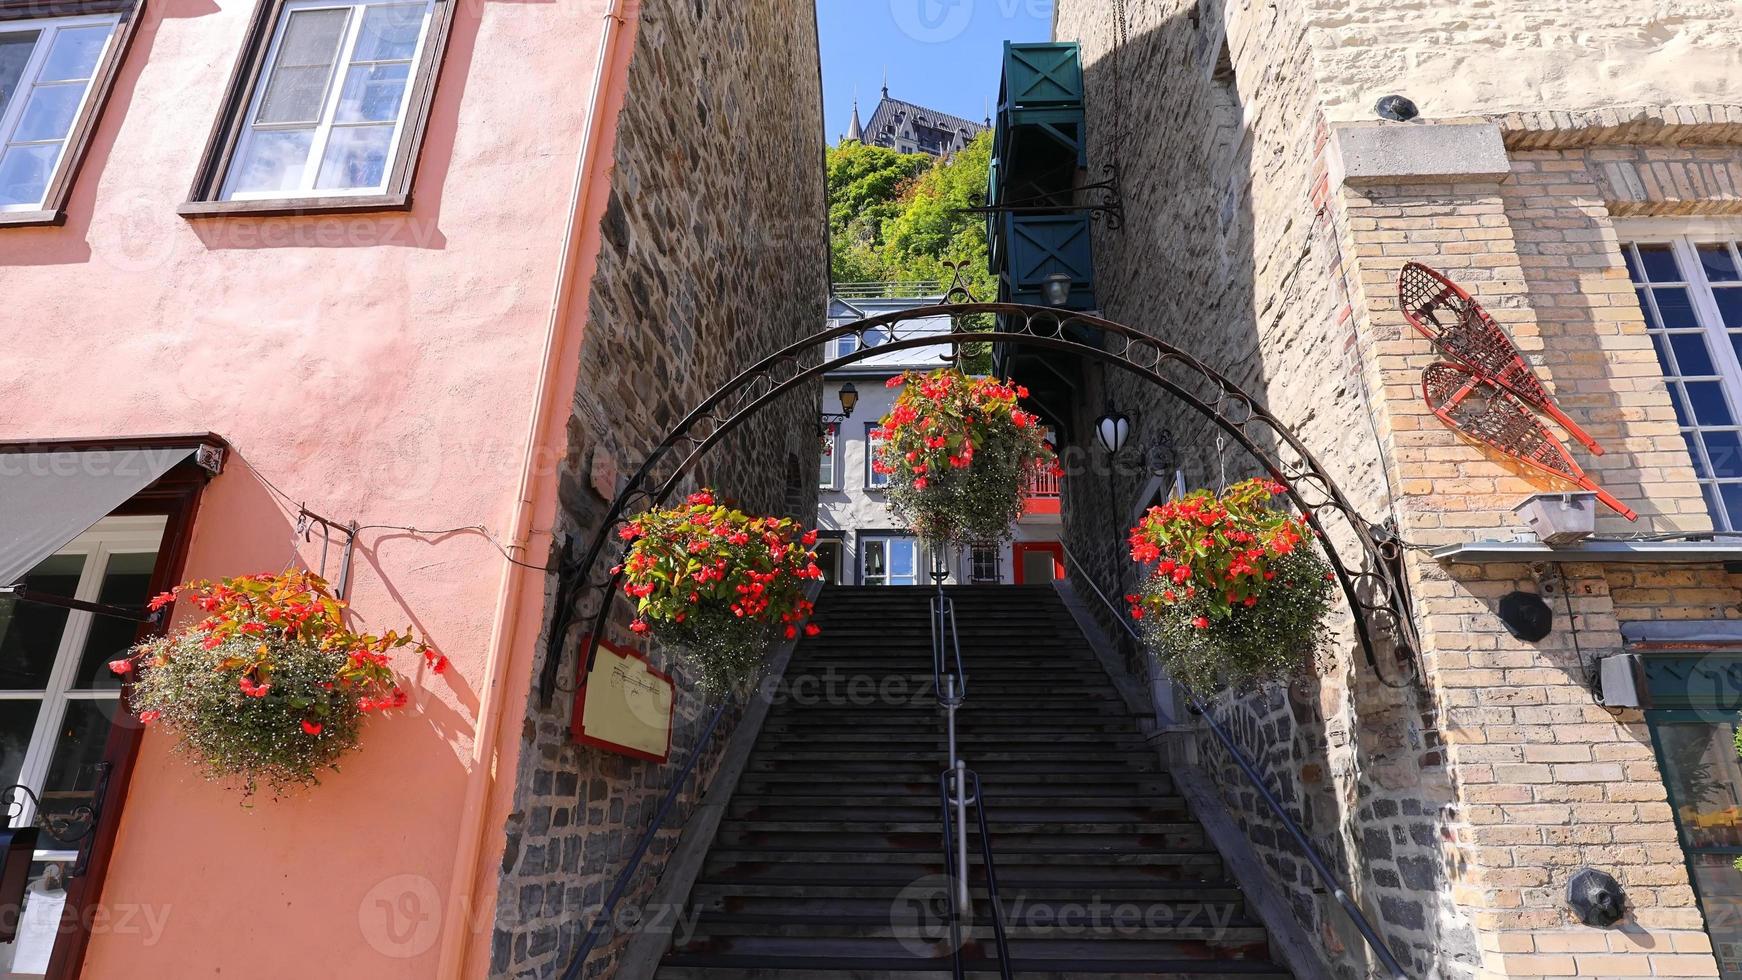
(896, 114)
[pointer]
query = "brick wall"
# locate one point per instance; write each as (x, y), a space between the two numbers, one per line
(714, 255)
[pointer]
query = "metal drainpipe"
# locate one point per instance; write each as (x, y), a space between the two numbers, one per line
(458, 925)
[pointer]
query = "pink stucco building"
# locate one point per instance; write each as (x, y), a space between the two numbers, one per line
(354, 247)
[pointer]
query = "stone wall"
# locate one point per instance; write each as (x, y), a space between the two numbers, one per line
(1462, 59)
(714, 255)
(1234, 250)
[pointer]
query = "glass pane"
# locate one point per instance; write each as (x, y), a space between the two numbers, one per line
(297, 87)
(78, 747)
(1710, 405)
(372, 93)
(126, 582)
(1675, 308)
(1692, 355)
(1732, 494)
(356, 157)
(30, 632)
(1730, 305)
(24, 173)
(15, 49)
(1716, 260)
(1661, 346)
(1724, 449)
(75, 54)
(1633, 273)
(1660, 263)
(49, 113)
(1715, 507)
(1704, 778)
(903, 561)
(389, 33)
(1720, 888)
(1678, 399)
(829, 560)
(17, 721)
(294, 95)
(273, 161)
(1694, 454)
(311, 37)
(876, 563)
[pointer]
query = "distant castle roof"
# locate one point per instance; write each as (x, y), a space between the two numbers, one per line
(854, 130)
(891, 115)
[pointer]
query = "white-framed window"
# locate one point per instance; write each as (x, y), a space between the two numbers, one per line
(329, 110)
(829, 560)
(873, 445)
(57, 695)
(888, 560)
(46, 70)
(1689, 287)
(983, 563)
(829, 468)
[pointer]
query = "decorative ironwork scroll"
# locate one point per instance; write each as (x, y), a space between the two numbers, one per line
(1373, 584)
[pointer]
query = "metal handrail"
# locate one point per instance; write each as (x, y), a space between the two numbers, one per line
(621, 886)
(954, 782)
(1256, 778)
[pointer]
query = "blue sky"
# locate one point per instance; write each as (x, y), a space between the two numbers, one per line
(943, 54)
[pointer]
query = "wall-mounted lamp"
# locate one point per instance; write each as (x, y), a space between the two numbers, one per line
(849, 396)
(1111, 431)
(1057, 289)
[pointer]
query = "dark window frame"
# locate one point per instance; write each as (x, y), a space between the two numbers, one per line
(204, 198)
(78, 142)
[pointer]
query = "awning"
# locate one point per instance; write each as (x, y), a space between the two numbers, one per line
(50, 497)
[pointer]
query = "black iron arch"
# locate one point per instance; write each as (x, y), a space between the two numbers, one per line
(1376, 592)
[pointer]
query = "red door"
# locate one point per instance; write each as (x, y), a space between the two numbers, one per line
(1038, 562)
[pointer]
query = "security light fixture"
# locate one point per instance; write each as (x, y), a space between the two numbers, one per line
(1111, 431)
(1057, 289)
(1396, 108)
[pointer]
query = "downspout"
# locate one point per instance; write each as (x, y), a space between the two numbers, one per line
(459, 919)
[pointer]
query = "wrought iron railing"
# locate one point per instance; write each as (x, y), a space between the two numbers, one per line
(911, 289)
(959, 786)
(1249, 768)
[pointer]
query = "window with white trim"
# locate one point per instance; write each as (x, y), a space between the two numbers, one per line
(329, 109)
(983, 563)
(1690, 290)
(873, 445)
(46, 70)
(57, 695)
(830, 458)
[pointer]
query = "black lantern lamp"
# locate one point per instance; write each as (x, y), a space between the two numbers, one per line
(849, 396)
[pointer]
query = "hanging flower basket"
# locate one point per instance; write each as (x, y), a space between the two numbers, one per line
(718, 584)
(1239, 592)
(958, 452)
(271, 687)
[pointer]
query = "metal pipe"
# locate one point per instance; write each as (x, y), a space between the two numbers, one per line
(609, 908)
(961, 801)
(1253, 776)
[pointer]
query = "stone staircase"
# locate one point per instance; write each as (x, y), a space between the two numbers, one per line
(829, 863)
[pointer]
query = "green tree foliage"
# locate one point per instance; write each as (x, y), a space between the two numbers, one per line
(895, 216)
